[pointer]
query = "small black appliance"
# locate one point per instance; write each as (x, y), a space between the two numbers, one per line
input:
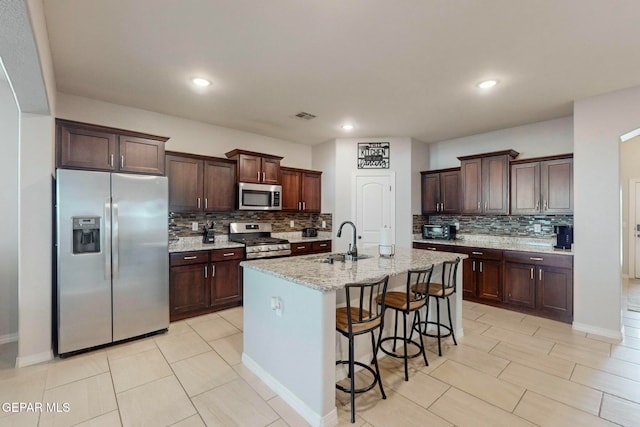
(208, 235)
(439, 232)
(564, 235)
(309, 232)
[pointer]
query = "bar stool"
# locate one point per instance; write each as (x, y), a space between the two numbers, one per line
(442, 290)
(406, 303)
(363, 316)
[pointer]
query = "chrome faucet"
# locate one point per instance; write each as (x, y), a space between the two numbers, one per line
(353, 248)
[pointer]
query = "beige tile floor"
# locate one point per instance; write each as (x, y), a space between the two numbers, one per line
(509, 369)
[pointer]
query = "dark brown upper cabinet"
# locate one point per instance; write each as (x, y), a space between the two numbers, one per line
(198, 183)
(542, 185)
(93, 147)
(301, 190)
(440, 191)
(254, 167)
(485, 182)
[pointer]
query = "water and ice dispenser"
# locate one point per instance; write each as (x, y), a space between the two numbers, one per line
(86, 234)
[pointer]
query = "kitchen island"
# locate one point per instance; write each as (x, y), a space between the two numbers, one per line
(289, 321)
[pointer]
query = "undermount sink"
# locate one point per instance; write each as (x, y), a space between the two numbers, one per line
(337, 257)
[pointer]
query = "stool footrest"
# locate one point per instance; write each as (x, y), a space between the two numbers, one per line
(400, 356)
(427, 334)
(363, 389)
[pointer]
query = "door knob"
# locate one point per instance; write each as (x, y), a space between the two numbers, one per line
(360, 237)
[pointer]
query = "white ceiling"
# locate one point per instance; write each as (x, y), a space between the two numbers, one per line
(393, 68)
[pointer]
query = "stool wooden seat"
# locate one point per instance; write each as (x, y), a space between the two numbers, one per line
(406, 303)
(442, 290)
(362, 315)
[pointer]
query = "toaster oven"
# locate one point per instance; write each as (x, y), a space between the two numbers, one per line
(439, 232)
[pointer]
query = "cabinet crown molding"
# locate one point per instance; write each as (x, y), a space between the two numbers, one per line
(107, 129)
(511, 153)
(235, 152)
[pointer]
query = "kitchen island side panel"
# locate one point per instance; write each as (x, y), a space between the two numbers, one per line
(292, 348)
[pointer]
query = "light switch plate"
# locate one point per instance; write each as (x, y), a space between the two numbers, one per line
(324, 224)
(292, 223)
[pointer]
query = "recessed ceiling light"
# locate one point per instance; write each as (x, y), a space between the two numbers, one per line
(347, 126)
(487, 84)
(199, 81)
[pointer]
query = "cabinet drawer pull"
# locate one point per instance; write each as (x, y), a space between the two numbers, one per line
(189, 257)
(432, 249)
(536, 259)
(229, 254)
(300, 247)
(322, 245)
(477, 253)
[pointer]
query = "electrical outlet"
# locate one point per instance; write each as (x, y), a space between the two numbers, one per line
(537, 228)
(324, 224)
(292, 223)
(456, 225)
(194, 226)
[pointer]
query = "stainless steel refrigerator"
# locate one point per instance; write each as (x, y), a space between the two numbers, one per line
(112, 263)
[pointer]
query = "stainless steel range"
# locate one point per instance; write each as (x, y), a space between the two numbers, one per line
(257, 239)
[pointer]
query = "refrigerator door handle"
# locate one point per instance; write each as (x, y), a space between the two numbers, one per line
(115, 241)
(107, 240)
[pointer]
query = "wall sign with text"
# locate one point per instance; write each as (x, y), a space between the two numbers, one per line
(373, 155)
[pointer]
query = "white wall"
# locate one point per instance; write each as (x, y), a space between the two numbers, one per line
(533, 140)
(187, 136)
(346, 154)
(9, 116)
(598, 124)
(419, 162)
(629, 169)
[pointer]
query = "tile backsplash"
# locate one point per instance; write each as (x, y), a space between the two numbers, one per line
(522, 225)
(180, 222)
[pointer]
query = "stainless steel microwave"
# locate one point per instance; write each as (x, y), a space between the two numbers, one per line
(440, 232)
(259, 197)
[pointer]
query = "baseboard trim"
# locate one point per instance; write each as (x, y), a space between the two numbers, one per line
(33, 359)
(313, 418)
(609, 333)
(4, 339)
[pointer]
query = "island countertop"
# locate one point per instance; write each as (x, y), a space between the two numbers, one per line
(309, 271)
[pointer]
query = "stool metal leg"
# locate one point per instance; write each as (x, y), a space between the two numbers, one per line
(375, 363)
(439, 333)
(406, 361)
(352, 378)
(416, 317)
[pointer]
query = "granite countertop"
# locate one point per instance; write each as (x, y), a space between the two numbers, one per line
(296, 236)
(187, 244)
(523, 244)
(307, 270)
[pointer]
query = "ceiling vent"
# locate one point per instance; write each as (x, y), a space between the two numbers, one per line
(305, 116)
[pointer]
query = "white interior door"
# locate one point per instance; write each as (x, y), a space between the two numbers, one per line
(374, 207)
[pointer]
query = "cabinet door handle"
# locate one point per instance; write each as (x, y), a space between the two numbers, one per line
(304, 206)
(546, 205)
(213, 271)
(264, 176)
(537, 205)
(540, 274)
(531, 273)
(205, 272)
(122, 161)
(189, 257)
(536, 259)
(476, 253)
(473, 266)
(486, 204)
(442, 207)
(206, 203)
(198, 202)
(481, 266)
(478, 205)
(258, 176)
(111, 161)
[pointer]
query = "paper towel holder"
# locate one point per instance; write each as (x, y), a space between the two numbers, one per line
(386, 251)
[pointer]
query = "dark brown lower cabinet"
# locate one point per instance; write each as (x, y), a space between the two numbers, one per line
(542, 282)
(536, 283)
(204, 281)
(306, 248)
